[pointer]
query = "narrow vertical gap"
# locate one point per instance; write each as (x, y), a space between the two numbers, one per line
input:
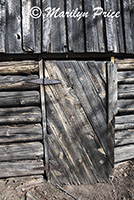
(123, 23)
(41, 45)
(21, 24)
(66, 25)
(104, 28)
(84, 26)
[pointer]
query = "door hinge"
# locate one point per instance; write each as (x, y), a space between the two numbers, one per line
(44, 81)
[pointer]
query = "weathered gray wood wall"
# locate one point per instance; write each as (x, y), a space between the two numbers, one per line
(20, 33)
(58, 129)
(124, 121)
(21, 148)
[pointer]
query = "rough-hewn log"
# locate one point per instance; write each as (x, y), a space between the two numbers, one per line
(124, 137)
(124, 119)
(26, 98)
(20, 115)
(124, 153)
(20, 133)
(126, 106)
(21, 151)
(126, 66)
(126, 77)
(125, 126)
(23, 67)
(21, 168)
(126, 91)
(17, 83)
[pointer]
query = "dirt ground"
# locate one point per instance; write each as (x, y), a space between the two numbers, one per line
(120, 187)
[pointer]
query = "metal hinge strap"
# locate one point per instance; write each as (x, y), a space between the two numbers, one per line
(44, 81)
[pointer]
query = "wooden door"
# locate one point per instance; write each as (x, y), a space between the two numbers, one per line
(80, 141)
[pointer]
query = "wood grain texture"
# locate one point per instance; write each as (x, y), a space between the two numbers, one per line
(126, 77)
(127, 25)
(109, 23)
(31, 28)
(21, 168)
(13, 27)
(20, 115)
(75, 28)
(20, 133)
(114, 27)
(126, 106)
(21, 151)
(124, 153)
(73, 133)
(20, 67)
(44, 118)
(54, 30)
(2, 25)
(94, 28)
(124, 137)
(126, 91)
(15, 82)
(26, 98)
(112, 90)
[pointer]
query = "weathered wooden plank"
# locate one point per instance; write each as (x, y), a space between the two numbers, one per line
(131, 3)
(124, 153)
(27, 27)
(124, 119)
(72, 139)
(112, 90)
(125, 66)
(125, 61)
(2, 25)
(124, 126)
(13, 27)
(44, 119)
(126, 91)
(21, 168)
(94, 28)
(126, 106)
(124, 137)
(19, 133)
(92, 43)
(21, 151)
(75, 28)
(114, 29)
(20, 115)
(17, 82)
(38, 29)
(31, 27)
(109, 22)
(54, 30)
(23, 67)
(127, 26)
(26, 98)
(126, 77)
(119, 26)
